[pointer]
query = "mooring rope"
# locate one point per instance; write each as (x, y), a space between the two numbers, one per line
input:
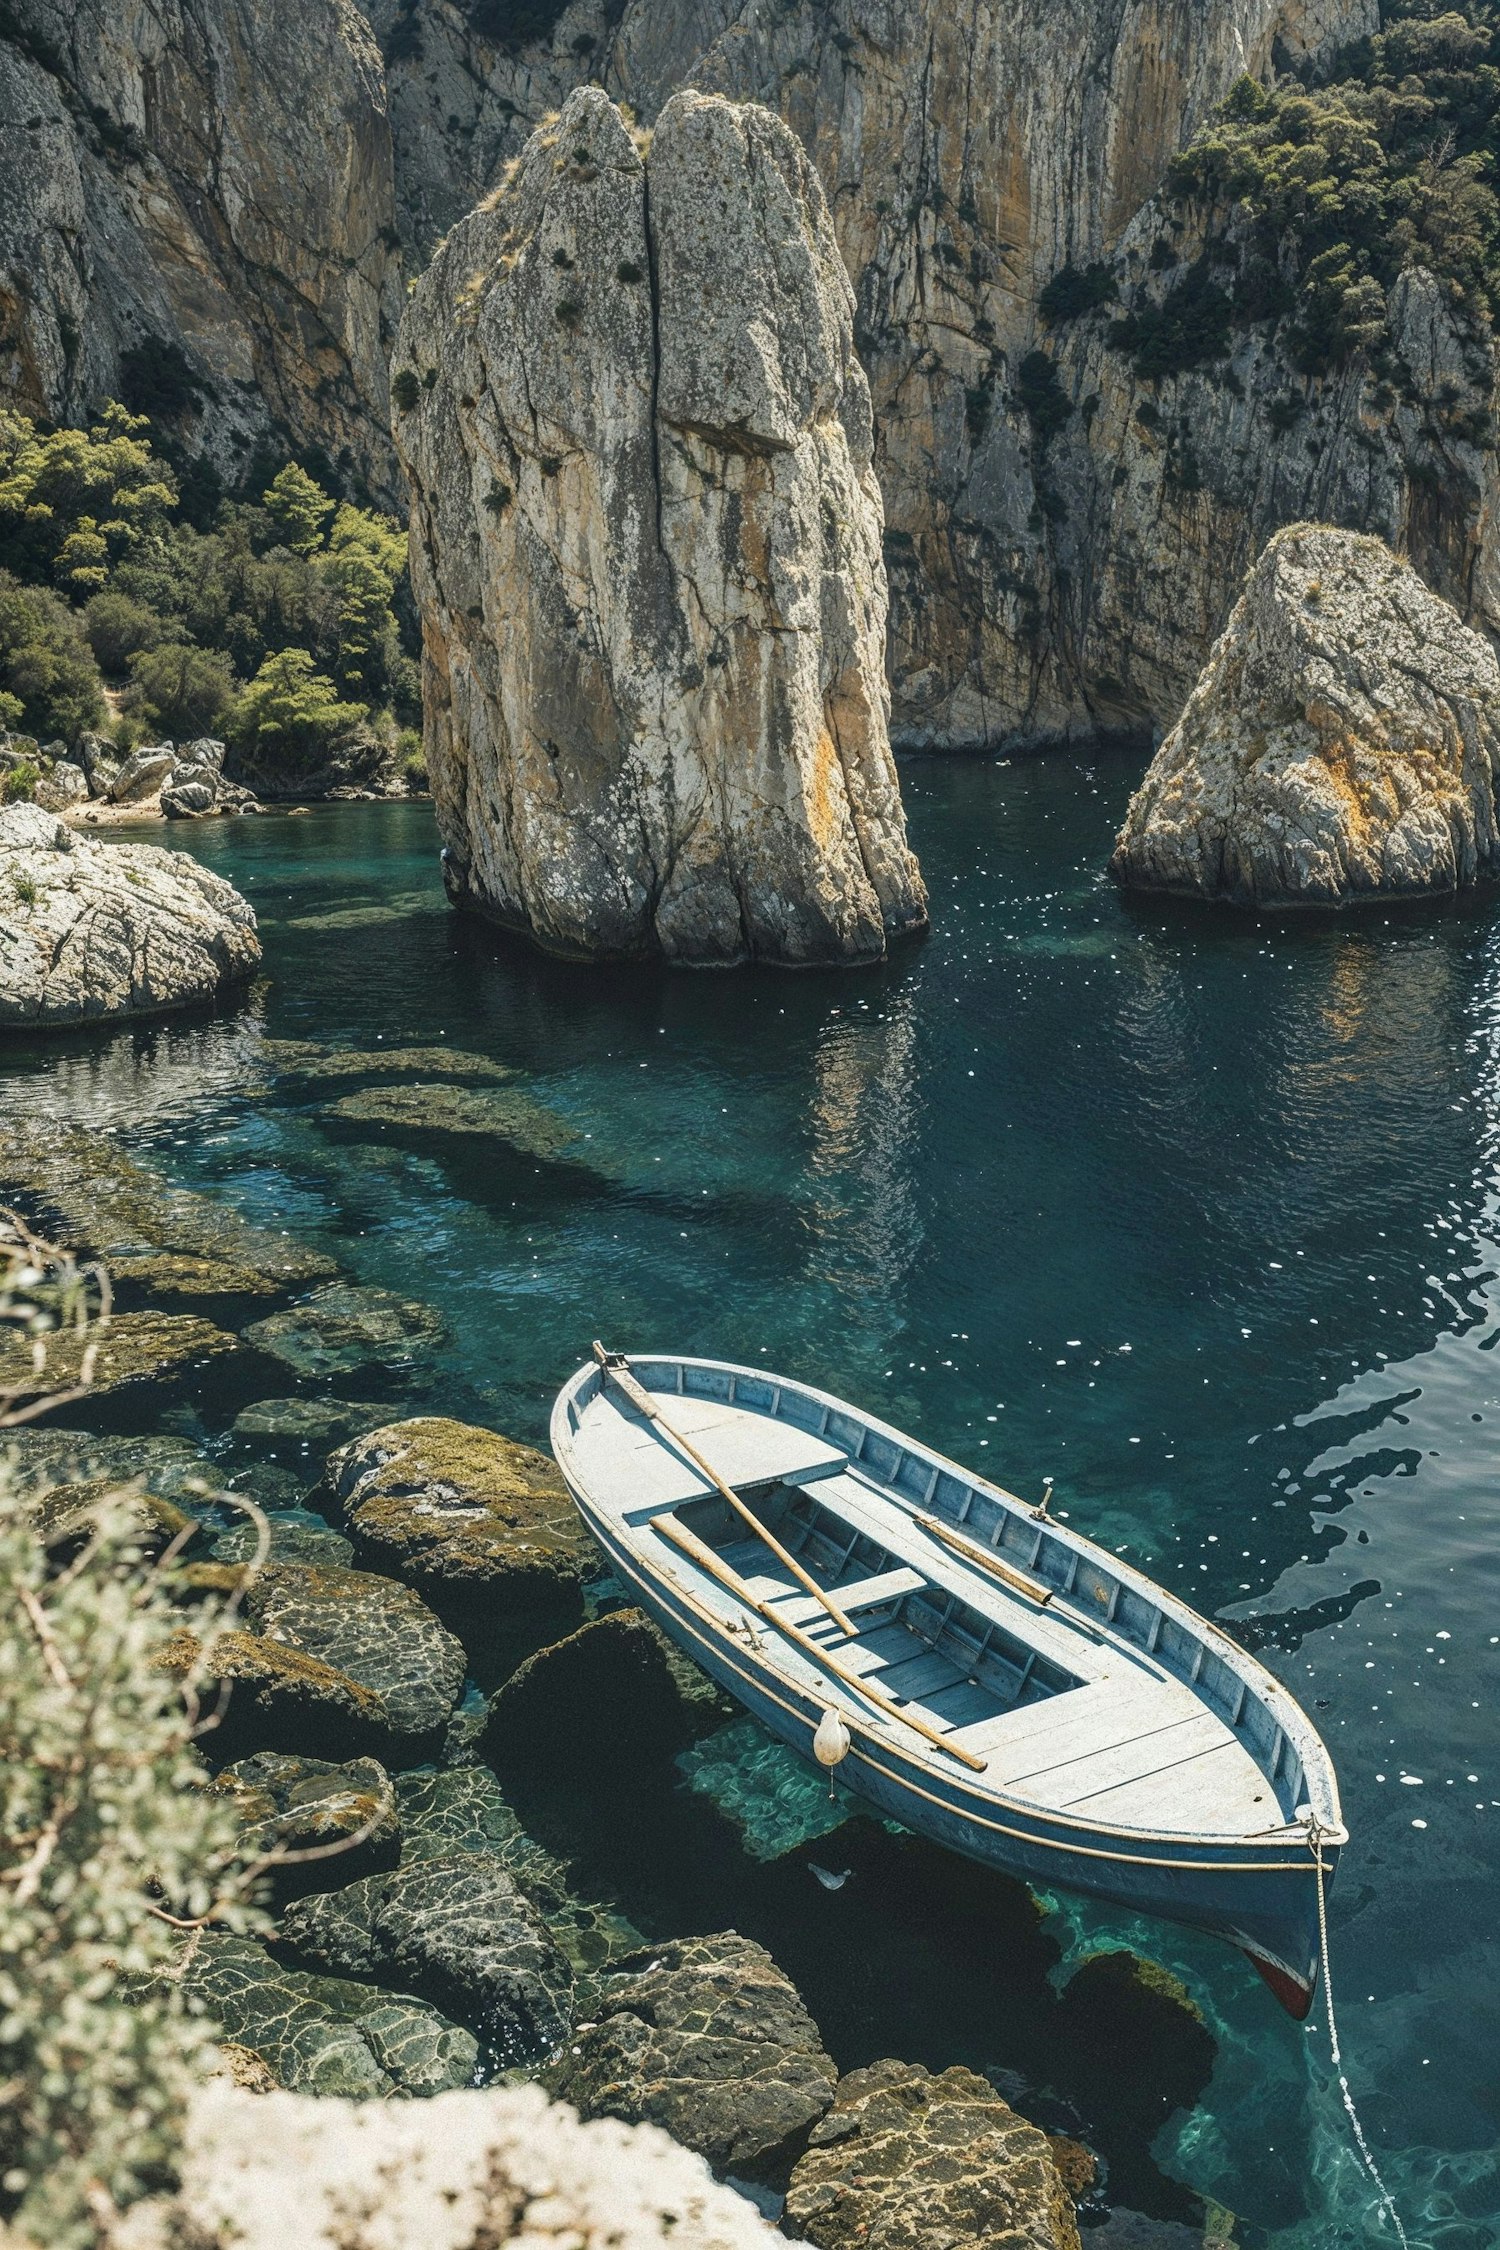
(1361, 2143)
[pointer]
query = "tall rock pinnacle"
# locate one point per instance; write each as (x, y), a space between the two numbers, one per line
(646, 541)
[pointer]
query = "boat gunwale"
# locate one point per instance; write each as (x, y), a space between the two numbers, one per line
(1312, 1752)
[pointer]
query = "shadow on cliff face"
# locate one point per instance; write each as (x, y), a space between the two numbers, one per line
(916, 1954)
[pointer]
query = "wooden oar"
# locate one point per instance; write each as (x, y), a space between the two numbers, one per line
(616, 1369)
(706, 1559)
(985, 1557)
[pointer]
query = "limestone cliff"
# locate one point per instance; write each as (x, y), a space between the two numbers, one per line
(967, 155)
(1343, 742)
(646, 548)
(199, 219)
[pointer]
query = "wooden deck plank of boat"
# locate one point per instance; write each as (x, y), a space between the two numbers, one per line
(623, 1453)
(1220, 1791)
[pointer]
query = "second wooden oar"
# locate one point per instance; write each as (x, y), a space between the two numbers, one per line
(616, 1369)
(984, 1557)
(704, 1556)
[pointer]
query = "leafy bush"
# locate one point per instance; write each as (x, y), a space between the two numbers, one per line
(1041, 397)
(181, 691)
(1329, 191)
(1075, 290)
(111, 1840)
(18, 782)
(290, 714)
(1189, 327)
(118, 628)
(75, 502)
(46, 665)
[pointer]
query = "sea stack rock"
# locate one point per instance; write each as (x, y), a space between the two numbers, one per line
(646, 541)
(1342, 741)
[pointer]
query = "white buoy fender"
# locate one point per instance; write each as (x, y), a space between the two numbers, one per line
(831, 1742)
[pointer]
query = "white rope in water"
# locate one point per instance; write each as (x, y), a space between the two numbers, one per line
(1333, 2040)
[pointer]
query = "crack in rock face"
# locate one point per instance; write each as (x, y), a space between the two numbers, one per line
(647, 552)
(1342, 742)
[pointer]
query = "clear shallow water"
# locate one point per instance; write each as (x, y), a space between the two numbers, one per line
(1200, 1217)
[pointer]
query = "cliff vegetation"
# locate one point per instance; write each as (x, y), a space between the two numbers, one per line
(281, 622)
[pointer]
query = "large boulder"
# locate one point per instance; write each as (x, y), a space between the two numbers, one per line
(132, 1348)
(482, 1526)
(344, 1327)
(141, 776)
(337, 1662)
(486, 2166)
(91, 930)
(325, 2035)
(646, 541)
(454, 1928)
(324, 1823)
(706, 2037)
(905, 2160)
(1342, 741)
(66, 785)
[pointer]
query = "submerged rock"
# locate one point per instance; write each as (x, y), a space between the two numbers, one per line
(646, 541)
(1343, 741)
(1138, 2042)
(319, 1422)
(135, 1347)
(342, 1328)
(905, 2160)
(325, 2035)
(603, 1702)
(482, 1526)
(513, 1119)
(299, 1058)
(296, 1536)
(90, 931)
(94, 1197)
(338, 1661)
(294, 1804)
(454, 1927)
(706, 2037)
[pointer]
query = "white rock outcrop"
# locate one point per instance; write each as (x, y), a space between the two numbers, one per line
(500, 2166)
(1342, 742)
(91, 930)
(646, 540)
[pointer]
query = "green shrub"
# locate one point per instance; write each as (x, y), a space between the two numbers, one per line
(299, 508)
(118, 628)
(18, 783)
(1189, 327)
(102, 489)
(291, 714)
(46, 665)
(179, 690)
(1075, 290)
(1042, 398)
(405, 389)
(111, 1839)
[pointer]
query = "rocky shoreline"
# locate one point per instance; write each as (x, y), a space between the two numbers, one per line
(431, 1670)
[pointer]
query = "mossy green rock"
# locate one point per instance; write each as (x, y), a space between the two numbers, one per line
(324, 2035)
(455, 1927)
(707, 2038)
(298, 1058)
(134, 1347)
(173, 1273)
(604, 1698)
(65, 1514)
(291, 1804)
(515, 1120)
(317, 1422)
(344, 1327)
(297, 1536)
(96, 1198)
(482, 1526)
(909, 2160)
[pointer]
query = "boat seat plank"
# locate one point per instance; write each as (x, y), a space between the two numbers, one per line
(1039, 1738)
(961, 1704)
(1051, 1632)
(853, 1596)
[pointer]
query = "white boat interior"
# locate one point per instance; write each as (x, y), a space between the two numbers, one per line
(1085, 1690)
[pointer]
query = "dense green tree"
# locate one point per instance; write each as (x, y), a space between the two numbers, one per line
(299, 507)
(180, 691)
(118, 627)
(46, 665)
(74, 502)
(291, 715)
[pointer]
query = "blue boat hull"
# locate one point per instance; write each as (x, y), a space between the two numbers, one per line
(1261, 1899)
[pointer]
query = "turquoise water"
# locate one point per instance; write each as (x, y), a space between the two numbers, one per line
(1195, 1215)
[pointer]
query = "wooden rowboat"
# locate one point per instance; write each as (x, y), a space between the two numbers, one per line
(997, 1681)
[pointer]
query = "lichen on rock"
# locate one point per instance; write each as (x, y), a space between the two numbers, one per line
(646, 548)
(344, 1327)
(1343, 742)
